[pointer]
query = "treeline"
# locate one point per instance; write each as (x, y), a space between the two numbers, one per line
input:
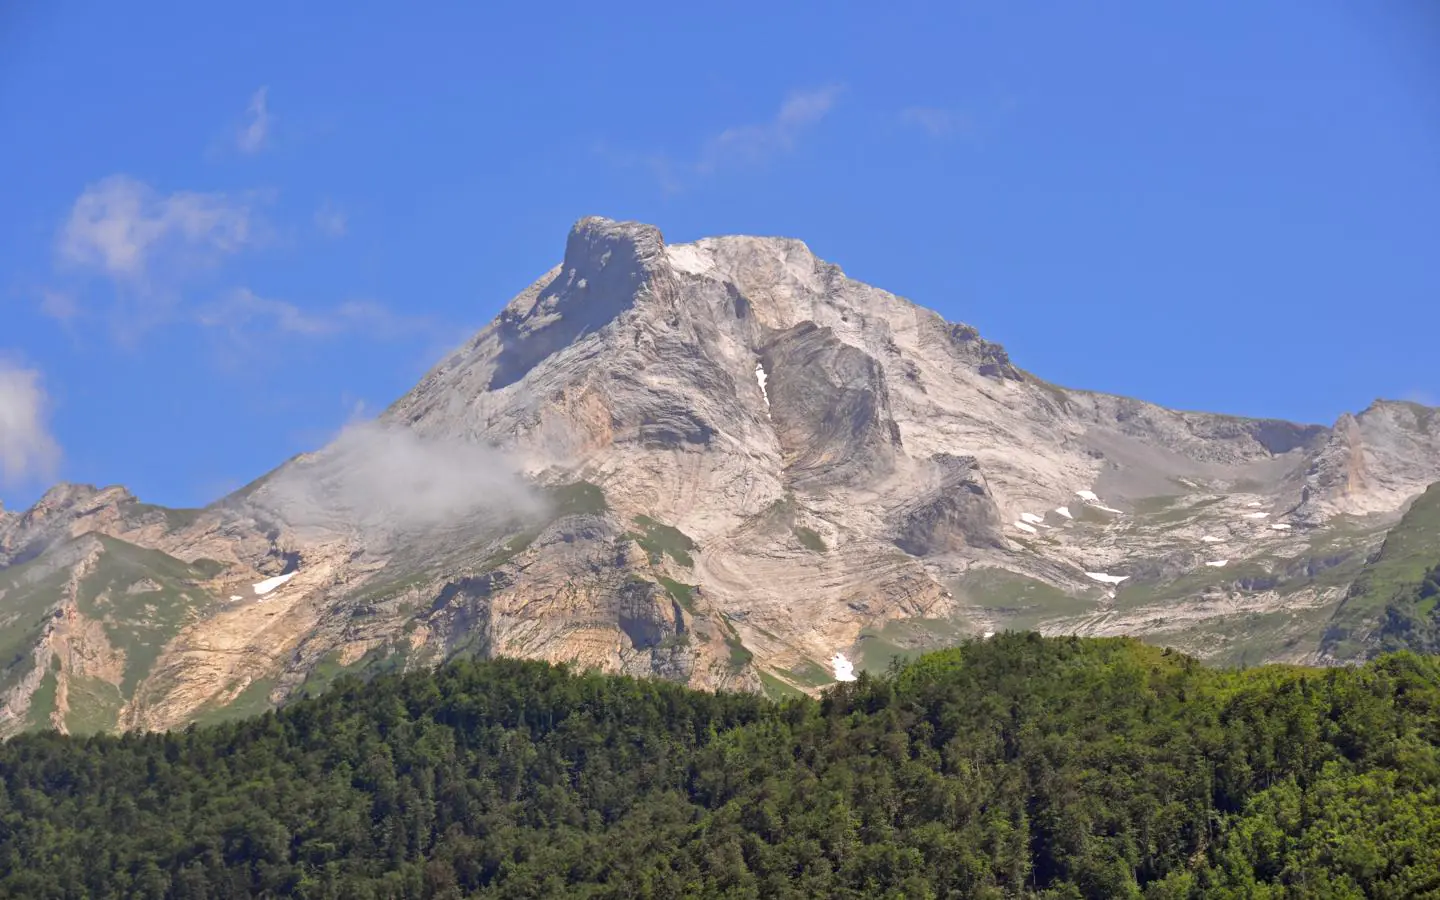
(1016, 767)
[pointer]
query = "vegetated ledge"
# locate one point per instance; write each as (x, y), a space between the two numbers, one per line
(1018, 766)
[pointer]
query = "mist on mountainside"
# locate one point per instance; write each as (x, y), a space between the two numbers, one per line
(385, 477)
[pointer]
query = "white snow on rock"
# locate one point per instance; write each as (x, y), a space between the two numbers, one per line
(761, 377)
(1106, 579)
(689, 259)
(1026, 526)
(987, 635)
(844, 668)
(1280, 526)
(1032, 518)
(1212, 539)
(236, 597)
(1254, 503)
(1093, 499)
(1064, 511)
(264, 587)
(1257, 515)
(1217, 563)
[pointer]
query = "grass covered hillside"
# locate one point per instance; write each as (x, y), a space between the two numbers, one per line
(1392, 604)
(1016, 767)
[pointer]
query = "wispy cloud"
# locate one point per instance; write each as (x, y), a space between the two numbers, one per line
(244, 315)
(937, 122)
(120, 227)
(59, 305)
(757, 143)
(666, 171)
(148, 245)
(331, 221)
(384, 478)
(254, 135)
(27, 449)
(735, 147)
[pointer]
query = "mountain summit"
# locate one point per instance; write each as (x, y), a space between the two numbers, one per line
(723, 463)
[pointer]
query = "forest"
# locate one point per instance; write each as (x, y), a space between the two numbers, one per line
(1018, 766)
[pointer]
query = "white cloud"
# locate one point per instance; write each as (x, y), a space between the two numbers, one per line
(255, 133)
(27, 449)
(937, 122)
(754, 144)
(332, 222)
(243, 312)
(386, 477)
(149, 245)
(121, 227)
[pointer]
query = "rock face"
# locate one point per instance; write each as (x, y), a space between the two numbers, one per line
(722, 463)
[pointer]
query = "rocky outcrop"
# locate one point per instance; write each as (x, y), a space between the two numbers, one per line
(958, 514)
(830, 408)
(1372, 462)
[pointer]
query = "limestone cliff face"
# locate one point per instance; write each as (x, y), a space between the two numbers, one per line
(1372, 462)
(721, 463)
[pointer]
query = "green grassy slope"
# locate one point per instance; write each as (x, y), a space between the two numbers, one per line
(141, 598)
(1392, 603)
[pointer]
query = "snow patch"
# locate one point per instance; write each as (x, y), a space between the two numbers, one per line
(1280, 526)
(1032, 518)
(1106, 579)
(987, 635)
(236, 597)
(1254, 503)
(844, 668)
(1217, 563)
(1212, 539)
(689, 259)
(264, 587)
(1026, 526)
(1093, 499)
(1064, 511)
(1257, 515)
(761, 378)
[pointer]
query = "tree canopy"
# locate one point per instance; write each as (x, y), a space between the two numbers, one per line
(1019, 766)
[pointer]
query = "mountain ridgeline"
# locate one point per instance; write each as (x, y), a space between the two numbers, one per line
(1018, 766)
(728, 465)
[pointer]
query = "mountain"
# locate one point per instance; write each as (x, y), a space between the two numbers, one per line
(722, 463)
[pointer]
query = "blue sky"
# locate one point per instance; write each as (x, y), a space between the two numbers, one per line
(228, 228)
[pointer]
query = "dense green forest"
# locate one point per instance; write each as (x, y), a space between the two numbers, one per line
(1016, 767)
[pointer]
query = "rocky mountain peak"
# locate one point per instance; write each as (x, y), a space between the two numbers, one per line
(608, 266)
(601, 250)
(66, 509)
(78, 499)
(727, 463)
